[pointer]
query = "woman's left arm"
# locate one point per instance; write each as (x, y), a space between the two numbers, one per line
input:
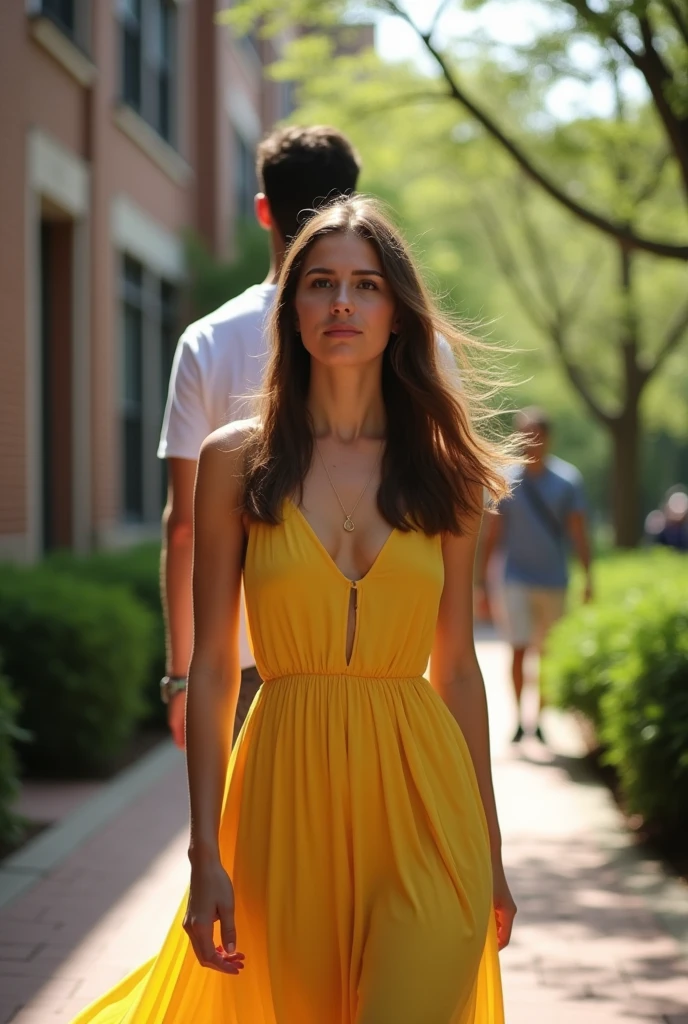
(456, 677)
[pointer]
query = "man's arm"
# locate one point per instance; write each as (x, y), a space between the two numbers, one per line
(175, 581)
(491, 537)
(577, 527)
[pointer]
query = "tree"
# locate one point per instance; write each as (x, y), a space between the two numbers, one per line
(649, 36)
(610, 311)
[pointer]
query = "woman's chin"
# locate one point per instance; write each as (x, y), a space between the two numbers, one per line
(345, 353)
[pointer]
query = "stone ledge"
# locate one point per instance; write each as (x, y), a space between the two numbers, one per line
(46, 33)
(153, 145)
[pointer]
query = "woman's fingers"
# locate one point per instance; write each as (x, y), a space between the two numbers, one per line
(207, 953)
(505, 922)
(227, 927)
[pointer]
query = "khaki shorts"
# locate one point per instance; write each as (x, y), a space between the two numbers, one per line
(530, 612)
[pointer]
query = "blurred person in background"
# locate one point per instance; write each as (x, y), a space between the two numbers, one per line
(669, 525)
(534, 529)
(219, 363)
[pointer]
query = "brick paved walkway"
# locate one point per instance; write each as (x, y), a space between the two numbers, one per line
(584, 949)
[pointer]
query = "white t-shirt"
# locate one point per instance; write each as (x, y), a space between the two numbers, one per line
(218, 366)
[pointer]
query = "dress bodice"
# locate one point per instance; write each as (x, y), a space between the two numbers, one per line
(298, 603)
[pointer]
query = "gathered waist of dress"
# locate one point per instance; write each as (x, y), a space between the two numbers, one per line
(343, 677)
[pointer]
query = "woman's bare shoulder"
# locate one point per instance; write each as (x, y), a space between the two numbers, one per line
(222, 458)
(231, 439)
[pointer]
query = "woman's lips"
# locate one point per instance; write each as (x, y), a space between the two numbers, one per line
(341, 332)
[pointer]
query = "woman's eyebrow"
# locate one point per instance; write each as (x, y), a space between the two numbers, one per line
(356, 273)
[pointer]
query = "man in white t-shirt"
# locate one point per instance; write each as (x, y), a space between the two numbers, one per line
(218, 365)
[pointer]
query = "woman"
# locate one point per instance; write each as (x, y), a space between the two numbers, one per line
(349, 869)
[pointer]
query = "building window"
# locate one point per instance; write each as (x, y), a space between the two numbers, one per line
(250, 45)
(245, 177)
(169, 332)
(148, 61)
(149, 336)
(63, 13)
(132, 375)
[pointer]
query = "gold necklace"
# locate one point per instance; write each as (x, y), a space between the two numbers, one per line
(348, 523)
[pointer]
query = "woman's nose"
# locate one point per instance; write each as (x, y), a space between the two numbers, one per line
(342, 301)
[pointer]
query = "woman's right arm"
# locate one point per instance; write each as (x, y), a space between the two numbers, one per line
(213, 688)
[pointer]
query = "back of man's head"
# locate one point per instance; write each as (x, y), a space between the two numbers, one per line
(300, 168)
(533, 418)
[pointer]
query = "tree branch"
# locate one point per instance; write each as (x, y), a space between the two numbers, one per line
(653, 180)
(620, 232)
(575, 375)
(436, 20)
(400, 101)
(671, 340)
(580, 288)
(542, 265)
(509, 266)
(554, 328)
(680, 20)
(653, 69)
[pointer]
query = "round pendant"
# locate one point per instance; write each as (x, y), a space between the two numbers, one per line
(348, 524)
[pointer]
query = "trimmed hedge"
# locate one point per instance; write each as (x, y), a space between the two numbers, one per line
(137, 569)
(10, 823)
(645, 715)
(79, 656)
(623, 663)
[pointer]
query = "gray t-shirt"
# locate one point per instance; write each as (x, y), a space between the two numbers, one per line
(535, 518)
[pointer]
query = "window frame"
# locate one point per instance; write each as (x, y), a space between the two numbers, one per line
(157, 302)
(152, 32)
(80, 35)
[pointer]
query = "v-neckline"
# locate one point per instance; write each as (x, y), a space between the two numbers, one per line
(328, 557)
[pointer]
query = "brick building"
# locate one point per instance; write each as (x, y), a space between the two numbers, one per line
(123, 123)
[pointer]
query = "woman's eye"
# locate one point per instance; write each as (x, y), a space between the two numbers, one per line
(321, 282)
(368, 285)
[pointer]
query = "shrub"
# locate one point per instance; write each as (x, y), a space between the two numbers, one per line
(645, 714)
(623, 662)
(10, 823)
(581, 652)
(79, 655)
(137, 569)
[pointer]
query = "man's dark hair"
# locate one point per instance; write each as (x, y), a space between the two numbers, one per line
(299, 169)
(532, 418)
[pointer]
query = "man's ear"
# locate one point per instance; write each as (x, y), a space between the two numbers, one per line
(263, 212)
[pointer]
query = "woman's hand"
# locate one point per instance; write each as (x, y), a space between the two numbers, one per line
(211, 899)
(504, 906)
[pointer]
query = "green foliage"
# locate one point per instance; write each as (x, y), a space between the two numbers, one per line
(214, 282)
(505, 255)
(581, 652)
(623, 663)
(645, 713)
(10, 733)
(136, 569)
(78, 655)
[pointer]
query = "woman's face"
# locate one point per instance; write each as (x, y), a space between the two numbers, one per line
(345, 310)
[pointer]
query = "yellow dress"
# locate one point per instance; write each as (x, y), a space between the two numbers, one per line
(352, 825)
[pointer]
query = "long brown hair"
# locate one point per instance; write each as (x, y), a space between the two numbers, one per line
(436, 464)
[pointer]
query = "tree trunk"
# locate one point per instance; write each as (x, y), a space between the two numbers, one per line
(626, 478)
(626, 427)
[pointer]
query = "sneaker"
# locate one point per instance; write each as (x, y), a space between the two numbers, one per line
(539, 735)
(518, 735)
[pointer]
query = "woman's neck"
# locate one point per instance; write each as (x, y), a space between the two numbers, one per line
(346, 403)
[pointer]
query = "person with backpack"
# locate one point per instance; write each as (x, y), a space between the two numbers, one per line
(535, 527)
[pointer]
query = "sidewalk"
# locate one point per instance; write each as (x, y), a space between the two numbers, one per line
(587, 945)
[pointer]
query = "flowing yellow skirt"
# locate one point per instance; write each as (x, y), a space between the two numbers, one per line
(354, 834)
